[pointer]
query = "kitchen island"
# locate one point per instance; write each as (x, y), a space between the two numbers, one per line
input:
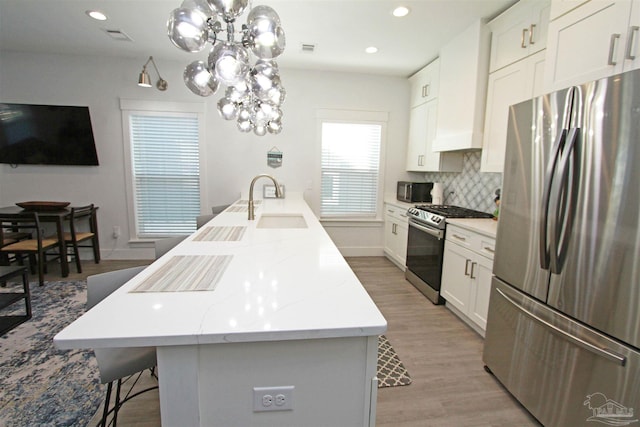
(241, 305)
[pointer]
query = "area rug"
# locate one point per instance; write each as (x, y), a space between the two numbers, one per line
(391, 371)
(39, 384)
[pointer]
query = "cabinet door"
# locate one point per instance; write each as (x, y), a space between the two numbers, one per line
(456, 268)
(481, 290)
(509, 36)
(587, 44)
(507, 86)
(519, 32)
(402, 234)
(389, 238)
(560, 7)
(422, 128)
(424, 84)
(632, 48)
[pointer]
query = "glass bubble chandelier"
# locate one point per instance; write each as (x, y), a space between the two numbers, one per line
(253, 95)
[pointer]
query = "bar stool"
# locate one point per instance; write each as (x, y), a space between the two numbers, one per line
(10, 321)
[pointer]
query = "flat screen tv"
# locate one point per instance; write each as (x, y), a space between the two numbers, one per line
(46, 135)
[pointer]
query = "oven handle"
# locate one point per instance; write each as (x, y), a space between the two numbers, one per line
(439, 234)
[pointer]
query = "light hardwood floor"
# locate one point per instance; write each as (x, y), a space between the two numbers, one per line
(442, 354)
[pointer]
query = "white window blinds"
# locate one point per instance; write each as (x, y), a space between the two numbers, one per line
(350, 169)
(166, 173)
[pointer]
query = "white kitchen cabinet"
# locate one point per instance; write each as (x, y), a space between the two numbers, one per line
(396, 231)
(560, 7)
(422, 125)
(595, 40)
(424, 84)
(422, 131)
(510, 85)
(466, 275)
(464, 64)
(518, 32)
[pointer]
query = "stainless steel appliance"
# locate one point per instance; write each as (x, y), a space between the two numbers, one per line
(425, 245)
(563, 330)
(414, 192)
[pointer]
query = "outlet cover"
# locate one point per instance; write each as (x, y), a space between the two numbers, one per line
(273, 398)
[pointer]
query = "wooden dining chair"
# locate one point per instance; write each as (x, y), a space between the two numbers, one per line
(35, 248)
(83, 227)
(9, 236)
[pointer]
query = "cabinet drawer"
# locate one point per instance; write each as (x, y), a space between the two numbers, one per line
(487, 246)
(478, 243)
(460, 236)
(396, 212)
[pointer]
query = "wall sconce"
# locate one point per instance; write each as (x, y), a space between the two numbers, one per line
(145, 81)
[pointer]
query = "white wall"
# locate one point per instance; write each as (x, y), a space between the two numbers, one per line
(232, 158)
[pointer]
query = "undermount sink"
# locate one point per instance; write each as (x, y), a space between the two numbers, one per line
(292, 220)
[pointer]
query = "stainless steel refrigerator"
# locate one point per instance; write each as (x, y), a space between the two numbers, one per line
(563, 330)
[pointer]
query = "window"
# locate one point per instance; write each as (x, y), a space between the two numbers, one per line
(164, 158)
(350, 167)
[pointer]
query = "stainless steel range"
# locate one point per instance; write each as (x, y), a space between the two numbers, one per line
(425, 245)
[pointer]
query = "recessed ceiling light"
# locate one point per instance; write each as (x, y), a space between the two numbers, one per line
(371, 49)
(96, 14)
(400, 11)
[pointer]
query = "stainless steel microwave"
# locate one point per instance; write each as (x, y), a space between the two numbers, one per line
(412, 192)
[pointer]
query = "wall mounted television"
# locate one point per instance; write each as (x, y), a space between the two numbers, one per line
(46, 135)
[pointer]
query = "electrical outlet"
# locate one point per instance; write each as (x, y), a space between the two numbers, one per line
(273, 398)
(116, 231)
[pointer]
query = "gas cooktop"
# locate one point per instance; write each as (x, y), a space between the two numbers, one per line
(435, 215)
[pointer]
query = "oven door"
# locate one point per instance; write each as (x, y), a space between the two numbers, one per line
(425, 249)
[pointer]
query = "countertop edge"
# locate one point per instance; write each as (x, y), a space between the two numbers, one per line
(485, 226)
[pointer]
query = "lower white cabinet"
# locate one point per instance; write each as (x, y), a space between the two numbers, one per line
(466, 275)
(396, 231)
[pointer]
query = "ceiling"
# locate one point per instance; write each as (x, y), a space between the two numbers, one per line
(339, 29)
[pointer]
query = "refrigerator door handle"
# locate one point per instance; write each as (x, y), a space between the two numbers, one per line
(603, 352)
(546, 199)
(564, 204)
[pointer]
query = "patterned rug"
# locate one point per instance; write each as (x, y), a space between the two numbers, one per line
(42, 386)
(391, 371)
(39, 384)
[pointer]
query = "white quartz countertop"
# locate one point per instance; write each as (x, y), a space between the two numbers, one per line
(485, 226)
(270, 284)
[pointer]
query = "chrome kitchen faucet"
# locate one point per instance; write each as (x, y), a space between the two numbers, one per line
(253, 181)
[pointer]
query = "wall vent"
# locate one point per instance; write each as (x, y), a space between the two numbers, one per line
(307, 47)
(118, 35)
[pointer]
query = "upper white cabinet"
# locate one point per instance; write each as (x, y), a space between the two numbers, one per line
(464, 66)
(424, 84)
(518, 32)
(510, 85)
(422, 125)
(560, 7)
(595, 40)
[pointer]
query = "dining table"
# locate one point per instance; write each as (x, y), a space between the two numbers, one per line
(55, 216)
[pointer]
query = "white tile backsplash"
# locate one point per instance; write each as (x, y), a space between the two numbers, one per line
(470, 188)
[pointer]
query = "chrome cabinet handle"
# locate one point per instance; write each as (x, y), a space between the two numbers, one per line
(473, 267)
(466, 267)
(531, 28)
(464, 239)
(524, 38)
(604, 352)
(488, 249)
(632, 32)
(425, 91)
(612, 48)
